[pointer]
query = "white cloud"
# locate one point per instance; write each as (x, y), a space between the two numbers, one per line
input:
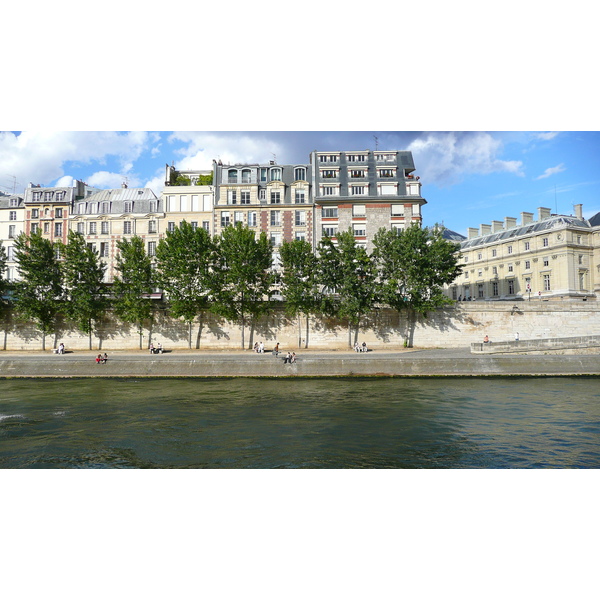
(552, 171)
(40, 156)
(106, 180)
(547, 135)
(66, 181)
(445, 158)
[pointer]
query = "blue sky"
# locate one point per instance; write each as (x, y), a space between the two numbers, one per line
(468, 178)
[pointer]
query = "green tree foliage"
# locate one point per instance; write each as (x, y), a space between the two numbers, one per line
(413, 266)
(184, 261)
(299, 281)
(133, 284)
(83, 281)
(4, 286)
(182, 180)
(242, 274)
(205, 179)
(39, 292)
(348, 271)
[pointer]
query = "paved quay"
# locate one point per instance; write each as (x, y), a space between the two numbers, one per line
(310, 363)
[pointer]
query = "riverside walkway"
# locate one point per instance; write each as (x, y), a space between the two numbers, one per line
(310, 363)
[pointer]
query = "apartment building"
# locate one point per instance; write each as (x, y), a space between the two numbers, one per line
(553, 257)
(364, 191)
(106, 216)
(12, 223)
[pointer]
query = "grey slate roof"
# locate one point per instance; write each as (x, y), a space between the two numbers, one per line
(555, 222)
(595, 220)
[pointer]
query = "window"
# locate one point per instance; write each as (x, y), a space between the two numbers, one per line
(387, 189)
(262, 194)
(225, 219)
(330, 230)
(329, 174)
(194, 225)
(510, 268)
(494, 288)
(46, 227)
(238, 217)
(479, 256)
(454, 293)
(275, 174)
(511, 286)
(509, 249)
(526, 245)
(275, 197)
(300, 174)
(127, 228)
(546, 283)
(59, 213)
(252, 219)
(35, 213)
(263, 174)
(494, 252)
(104, 249)
(104, 208)
(330, 212)
(151, 248)
(357, 190)
(246, 176)
(359, 230)
(357, 173)
(12, 215)
(153, 206)
(104, 227)
(327, 190)
(11, 231)
(245, 197)
(58, 229)
(479, 290)
(92, 228)
(579, 239)
(545, 242)
(151, 227)
(300, 218)
(10, 253)
(276, 239)
(35, 228)
(232, 175)
(81, 208)
(359, 210)
(299, 197)
(466, 259)
(480, 273)
(355, 157)
(47, 195)
(581, 259)
(328, 158)
(59, 196)
(527, 265)
(231, 196)
(206, 225)
(385, 172)
(546, 261)
(300, 235)
(494, 270)
(275, 218)
(128, 207)
(397, 210)
(37, 196)
(171, 226)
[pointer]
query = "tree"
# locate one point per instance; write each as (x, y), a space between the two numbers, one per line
(4, 289)
(134, 284)
(83, 280)
(299, 281)
(39, 292)
(184, 272)
(348, 271)
(413, 267)
(242, 274)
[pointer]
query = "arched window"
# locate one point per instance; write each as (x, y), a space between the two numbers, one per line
(246, 176)
(276, 174)
(300, 174)
(232, 176)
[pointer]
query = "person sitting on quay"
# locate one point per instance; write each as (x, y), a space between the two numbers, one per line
(364, 347)
(287, 359)
(293, 359)
(261, 348)
(98, 359)
(151, 348)
(486, 340)
(104, 358)
(159, 348)
(356, 347)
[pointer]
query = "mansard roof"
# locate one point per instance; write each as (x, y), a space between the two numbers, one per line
(554, 222)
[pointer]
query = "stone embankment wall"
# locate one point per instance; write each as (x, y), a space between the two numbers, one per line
(456, 326)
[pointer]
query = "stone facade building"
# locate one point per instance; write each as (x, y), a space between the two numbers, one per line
(553, 257)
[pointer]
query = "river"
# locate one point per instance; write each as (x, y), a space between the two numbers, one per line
(375, 423)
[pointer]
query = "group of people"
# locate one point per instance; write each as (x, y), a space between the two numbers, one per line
(289, 358)
(101, 358)
(60, 349)
(362, 348)
(260, 348)
(157, 350)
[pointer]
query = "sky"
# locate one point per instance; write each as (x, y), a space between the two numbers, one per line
(468, 178)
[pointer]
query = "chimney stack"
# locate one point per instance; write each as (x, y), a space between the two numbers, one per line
(497, 226)
(485, 229)
(526, 218)
(579, 211)
(472, 232)
(510, 222)
(543, 213)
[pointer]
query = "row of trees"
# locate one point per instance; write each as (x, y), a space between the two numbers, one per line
(230, 275)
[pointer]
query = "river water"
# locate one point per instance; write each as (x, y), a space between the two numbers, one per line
(300, 423)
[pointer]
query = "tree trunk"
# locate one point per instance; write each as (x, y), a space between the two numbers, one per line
(43, 341)
(307, 330)
(299, 332)
(199, 331)
(190, 335)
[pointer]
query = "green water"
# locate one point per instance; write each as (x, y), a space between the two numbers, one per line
(300, 423)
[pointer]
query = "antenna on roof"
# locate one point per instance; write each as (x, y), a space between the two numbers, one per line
(274, 158)
(376, 142)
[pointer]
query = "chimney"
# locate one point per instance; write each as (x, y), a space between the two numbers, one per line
(472, 232)
(485, 229)
(497, 226)
(543, 213)
(510, 222)
(526, 218)
(579, 211)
